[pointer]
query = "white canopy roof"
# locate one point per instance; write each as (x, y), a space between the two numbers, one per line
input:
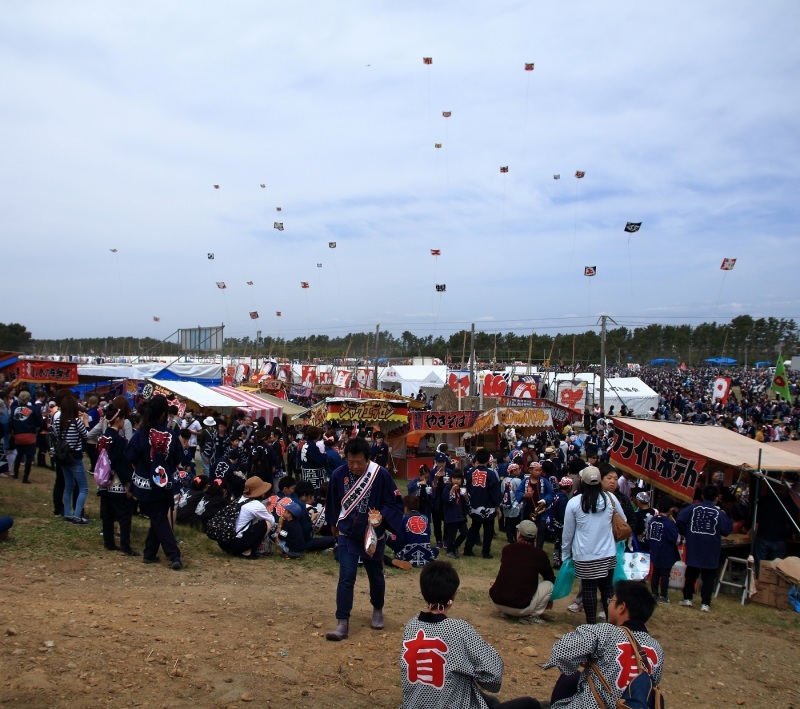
(201, 395)
(412, 378)
(147, 370)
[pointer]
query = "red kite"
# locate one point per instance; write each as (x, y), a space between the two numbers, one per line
(580, 173)
(427, 60)
(436, 252)
(254, 314)
(529, 67)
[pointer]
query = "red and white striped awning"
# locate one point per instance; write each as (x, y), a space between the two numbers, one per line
(254, 405)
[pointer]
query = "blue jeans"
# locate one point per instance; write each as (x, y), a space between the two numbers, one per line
(75, 474)
(348, 569)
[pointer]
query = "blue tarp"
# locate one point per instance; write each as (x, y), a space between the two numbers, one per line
(167, 375)
(766, 363)
(720, 360)
(663, 360)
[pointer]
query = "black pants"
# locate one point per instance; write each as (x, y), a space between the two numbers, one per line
(707, 576)
(455, 533)
(160, 532)
(589, 588)
(116, 507)
(26, 452)
(58, 492)
(479, 523)
(660, 578)
(250, 540)
(437, 517)
(511, 528)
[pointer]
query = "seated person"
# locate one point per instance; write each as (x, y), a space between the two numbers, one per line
(444, 662)
(6, 523)
(310, 516)
(227, 466)
(608, 647)
(213, 500)
(412, 543)
(186, 506)
(517, 590)
(290, 533)
(254, 521)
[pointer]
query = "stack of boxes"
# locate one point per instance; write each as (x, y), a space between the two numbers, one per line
(773, 588)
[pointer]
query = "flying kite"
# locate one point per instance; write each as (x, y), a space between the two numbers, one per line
(113, 251)
(156, 318)
(427, 60)
(504, 168)
(278, 226)
(331, 244)
(728, 264)
(436, 252)
(263, 186)
(254, 314)
(249, 283)
(319, 265)
(556, 177)
(529, 67)
(210, 256)
(437, 145)
(580, 174)
(447, 114)
(221, 285)
(304, 284)
(590, 270)
(277, 313)
(216, 187)
(441, 287)
(277, 209)
(633, 227)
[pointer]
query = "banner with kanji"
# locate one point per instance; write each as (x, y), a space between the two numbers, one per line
(667, 467)
(43, 371)
(367, 410)
(444, 421)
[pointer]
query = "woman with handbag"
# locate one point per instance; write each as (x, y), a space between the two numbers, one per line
(68, 427)
(588, 540)
(25, 424)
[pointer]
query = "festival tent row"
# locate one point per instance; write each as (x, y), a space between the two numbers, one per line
(200, 373)
(579, 390)
(413, 378)
(255, 405)
(672, 456)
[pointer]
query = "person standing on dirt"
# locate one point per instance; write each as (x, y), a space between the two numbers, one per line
(362, 498)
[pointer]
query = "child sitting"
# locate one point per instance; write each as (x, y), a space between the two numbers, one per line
(444, 662)
(189, 500)
(290, 533)
(412, 543)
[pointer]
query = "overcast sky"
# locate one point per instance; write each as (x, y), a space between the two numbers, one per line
(118, 118)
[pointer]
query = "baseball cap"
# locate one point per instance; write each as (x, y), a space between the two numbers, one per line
(590, 475)
(527, 529)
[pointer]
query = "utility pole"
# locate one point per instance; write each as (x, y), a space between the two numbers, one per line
(377, 335)
(602, 365)
(472, 361)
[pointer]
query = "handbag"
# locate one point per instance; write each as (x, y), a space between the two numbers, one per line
(24, 439)
(621, 529)
(636, 564)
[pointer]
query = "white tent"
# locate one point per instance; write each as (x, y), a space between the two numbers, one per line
(201, 395)
(147, 370)
(412, 378)
(630, 391)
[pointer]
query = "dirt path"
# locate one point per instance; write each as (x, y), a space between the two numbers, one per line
(110, 631)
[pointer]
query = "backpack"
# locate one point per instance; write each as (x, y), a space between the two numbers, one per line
(102, 469)
(641, 693)
(222, 526)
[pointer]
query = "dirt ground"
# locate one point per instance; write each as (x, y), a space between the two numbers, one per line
(103, 629)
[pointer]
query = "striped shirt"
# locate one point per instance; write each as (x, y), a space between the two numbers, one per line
(76, 434)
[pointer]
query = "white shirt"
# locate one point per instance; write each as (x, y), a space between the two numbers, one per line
(194, 427)
(587, 536)
(252, 511)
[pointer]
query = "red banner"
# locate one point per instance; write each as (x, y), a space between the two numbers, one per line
(669, 468)
(43, 371)
(309, 375)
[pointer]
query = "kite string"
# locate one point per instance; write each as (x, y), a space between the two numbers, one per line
(430, 113)
(719, 295)
(575, 227)
(630, 262)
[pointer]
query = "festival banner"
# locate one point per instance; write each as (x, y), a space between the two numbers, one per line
(342, 378)
(573, 397)
(271, 385)
(444, 421)
(519, 418)
(524, 386)
(324, 377)
(300, 392)
(324, 390)
(494, 385)
(344, 393)
(367, 410)
(37, 371)
(309, 375)
(670, 468)
(459, 383)
(365, 377)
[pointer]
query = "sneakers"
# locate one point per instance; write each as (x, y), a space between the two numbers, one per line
(151, 559)
(705, 608)
(176, 564)
(575, 607)
(80, 520)
(453, 555)
(686, 603)
(531, 620)
(663, 599)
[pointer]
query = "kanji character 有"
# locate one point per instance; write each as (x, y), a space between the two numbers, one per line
(425, 658)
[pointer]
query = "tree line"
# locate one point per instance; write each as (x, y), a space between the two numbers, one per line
(745, 339)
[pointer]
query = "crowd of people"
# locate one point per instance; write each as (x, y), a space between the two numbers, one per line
(261, 490)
